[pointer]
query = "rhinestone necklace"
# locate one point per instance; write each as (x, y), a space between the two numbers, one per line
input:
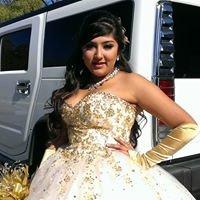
(109, 76)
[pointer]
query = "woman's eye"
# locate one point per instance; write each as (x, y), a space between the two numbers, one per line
(88, 46)
(108, 46)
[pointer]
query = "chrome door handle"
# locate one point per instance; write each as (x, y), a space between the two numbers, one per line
(23, 87)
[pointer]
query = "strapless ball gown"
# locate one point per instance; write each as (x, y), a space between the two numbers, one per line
(88, 170)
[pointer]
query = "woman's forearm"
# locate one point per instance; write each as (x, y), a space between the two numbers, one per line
(175, 140)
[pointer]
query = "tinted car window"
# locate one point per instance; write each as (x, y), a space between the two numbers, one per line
(15, 50)
(60, 35)
(187, 41)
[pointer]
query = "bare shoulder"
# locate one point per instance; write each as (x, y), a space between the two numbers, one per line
(132, 76)
(131, 85)
(152, 99)
(133, 79)
(139, 87)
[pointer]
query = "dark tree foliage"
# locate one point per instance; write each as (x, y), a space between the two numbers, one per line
(12, 8)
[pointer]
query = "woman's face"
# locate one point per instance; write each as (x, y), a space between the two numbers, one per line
(100, 54)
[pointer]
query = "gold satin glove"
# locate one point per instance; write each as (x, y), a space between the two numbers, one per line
(175, 140)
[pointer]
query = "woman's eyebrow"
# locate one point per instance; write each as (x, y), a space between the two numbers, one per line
(95, 43)
(109, 41)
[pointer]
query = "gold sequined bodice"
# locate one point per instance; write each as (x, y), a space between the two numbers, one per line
(98, 118)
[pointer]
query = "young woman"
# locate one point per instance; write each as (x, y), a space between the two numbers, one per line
(99, 105)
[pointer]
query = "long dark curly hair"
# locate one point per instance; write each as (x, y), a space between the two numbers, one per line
(97, 23)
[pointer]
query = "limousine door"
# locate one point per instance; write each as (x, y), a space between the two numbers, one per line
(20, 56)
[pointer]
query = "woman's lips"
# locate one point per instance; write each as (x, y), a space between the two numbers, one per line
(98, 64)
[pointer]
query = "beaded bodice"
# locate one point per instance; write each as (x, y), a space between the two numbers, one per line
(98, 118)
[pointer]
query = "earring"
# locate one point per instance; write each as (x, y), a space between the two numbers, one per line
(117, 63)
